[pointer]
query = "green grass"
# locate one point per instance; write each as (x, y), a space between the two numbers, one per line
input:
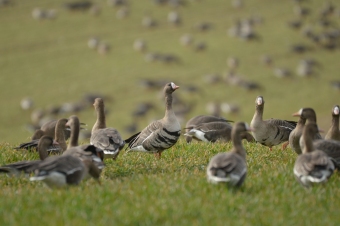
(137, 189)
(50, 62)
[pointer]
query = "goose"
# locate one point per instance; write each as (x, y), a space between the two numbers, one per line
(214, 131)
(59, 130)
(333, 132)
(202, 119)
(310, 115)
(161, 134)
(331, 148)
(107, 139)
(313, 165)
(59, 171)
(294, 136)
(270, 132)
(230, 167)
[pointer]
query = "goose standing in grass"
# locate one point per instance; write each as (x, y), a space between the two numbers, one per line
(202, 119)
(333, 132)
(107, 139)
(214, 131)
(161, 134)
(312, 166)
(270, 132)
(310, 116)
(230, 167)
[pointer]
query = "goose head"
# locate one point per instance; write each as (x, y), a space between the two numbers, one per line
(98, 103)
(259, 101)
(336, 110)
(306, 113)
(170, 88)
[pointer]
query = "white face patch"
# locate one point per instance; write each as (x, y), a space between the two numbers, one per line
(336, 110)
(259, 101)
(173, 85)
(300, 111)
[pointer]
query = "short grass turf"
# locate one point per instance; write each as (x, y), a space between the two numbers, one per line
(137, 189)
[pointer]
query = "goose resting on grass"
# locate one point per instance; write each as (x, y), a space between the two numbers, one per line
(230, 167)
(270, 132)
(161, 134)
(199, 120)
(313, 165)
(107, 139)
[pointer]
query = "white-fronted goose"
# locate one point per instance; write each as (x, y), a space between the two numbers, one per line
(333, 132)
(230, 167)
(309, 115)
(161, 134)
(202, 119)
(59, 171)
(312, 166)
(214, 131)
(59, 130)
(270, 132)
(107, 139)
(294, 136)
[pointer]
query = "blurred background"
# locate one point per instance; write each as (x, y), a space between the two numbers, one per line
(57, 56)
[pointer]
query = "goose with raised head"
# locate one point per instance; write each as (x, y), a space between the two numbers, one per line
(230, 167)
(270, 132)
(310, 116)
(161, 134)
(214, 131)
(59, 171)
(29, 166)
(107, 139)
(58, 134)
(313, 165)
(333, 132)
(199, 120)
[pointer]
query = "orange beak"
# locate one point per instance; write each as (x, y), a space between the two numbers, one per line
(296, 114)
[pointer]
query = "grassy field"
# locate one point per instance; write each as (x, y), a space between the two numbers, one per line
(50, 62)
(137, 189)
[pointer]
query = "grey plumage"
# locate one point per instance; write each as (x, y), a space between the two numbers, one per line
(161, 134)
(331, 148)
(312, 166)
(270, 132)
(107, 139)
(230, 167)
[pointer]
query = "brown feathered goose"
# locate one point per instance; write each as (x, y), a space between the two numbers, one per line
(214, 131)
(230, 167)
(294, 136)
(161, 134)
(199, 120)
(107, 139)
(312, 166)
(333, 132)
(270, 132)
(59, 128)
(309, 115)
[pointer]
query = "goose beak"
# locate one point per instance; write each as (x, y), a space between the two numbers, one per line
(296, 114)
(175, 87)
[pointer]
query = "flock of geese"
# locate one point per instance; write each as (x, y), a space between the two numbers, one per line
(317, 157)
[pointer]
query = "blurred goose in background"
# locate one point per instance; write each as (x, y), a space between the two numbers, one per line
(230, 167)
(310, 116)
(59, 128)
(161, 134)
(107, 139)
(214, 131)
(270, 132)
(313, 165)
(197, 120)
(333, 132)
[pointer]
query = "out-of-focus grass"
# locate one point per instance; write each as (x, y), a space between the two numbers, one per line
(137, 189)
(50, 62)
